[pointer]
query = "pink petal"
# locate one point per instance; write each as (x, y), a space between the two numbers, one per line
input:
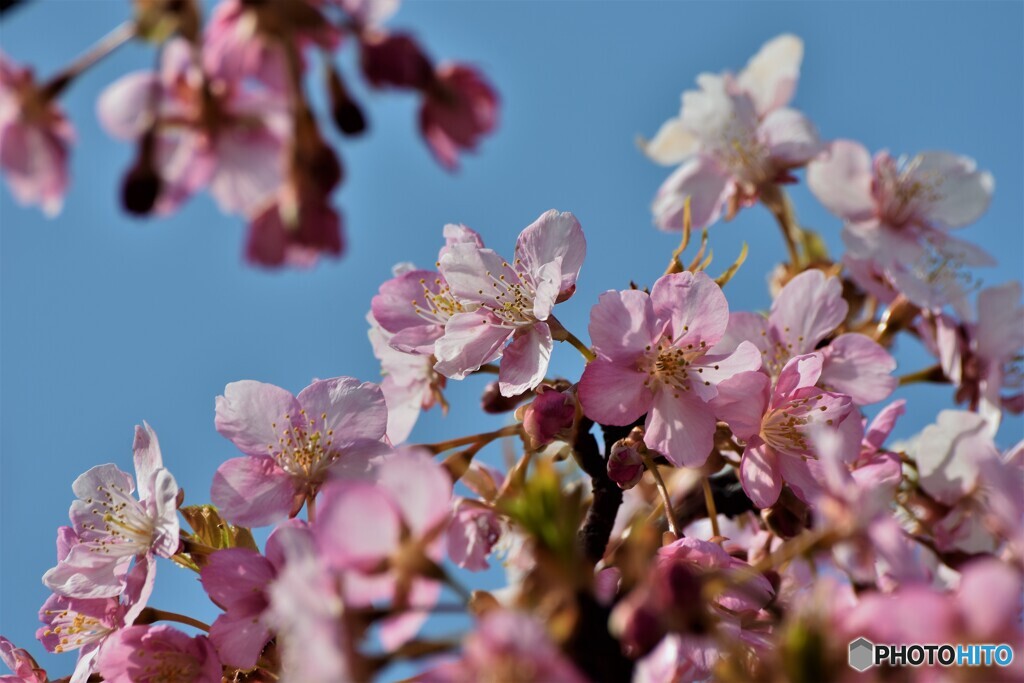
(248, 412)
(124, 106)
(881, 427)
(398, 630)
(791, 138)
(419, 485)
(841, 180)
(234, 575)
(741, 402)
(354, 410)
(469, 341)
(949, 453)
(760, 476)
(85, 573)
(622, 324)
(771, 75)
(394, 310)
(713, 369)
(807, 310)
(552, 237)
(856, 365)
(250, 169)
(239, 639)
(525, 361)
(962, 191)
(744, 326)
(708, 186)
(681, 427)
(800, 475)
(253, 491)
(473, 273)
(358, 525)
(146, 451)
(672, 144)
(800, 372)
(695, 306)
(613, 393)
(1000, 328)
(163, 509)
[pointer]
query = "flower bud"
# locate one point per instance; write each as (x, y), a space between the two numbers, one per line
(346, 112)
(491, 401)
(550, 415)
(625, 464)
(141, 187)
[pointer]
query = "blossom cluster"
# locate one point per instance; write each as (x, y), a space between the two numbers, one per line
(226, 109)
(747, 517)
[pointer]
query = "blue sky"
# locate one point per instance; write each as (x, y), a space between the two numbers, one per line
(107, 321)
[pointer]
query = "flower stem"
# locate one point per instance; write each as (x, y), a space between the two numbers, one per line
(709, 502)
(670, 515)
(580, 346)
(481, 439)
(676, 264)
(775, 200)
(151, 614)
(103, 47)
(933, 374)
(311, 508)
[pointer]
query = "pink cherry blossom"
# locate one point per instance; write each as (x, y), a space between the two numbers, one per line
(394, 60)
(410, 383)
(415, 305)
(669, 609)
(960, 468)
(897, 214)
(652, 357)
(806, 311)
(292, 233)
(141, 653)
(625, 465)
(236, 45)
(733, 136)
(506, 646)
(237, 579)
(21, 664)
(982, 358)
(474, 530)
(218, 134)
(306, 612)
(84, 624)
(460, 107)
(369, 522)
(291, 443)
(777, 426)
(35, 138)
(513, 300)
(112, 527)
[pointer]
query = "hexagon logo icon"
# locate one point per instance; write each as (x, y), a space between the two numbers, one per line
(862, 654)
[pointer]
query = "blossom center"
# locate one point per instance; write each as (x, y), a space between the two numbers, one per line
(74, 629)
(120, 524)
(667, 365)
(513, 296)
(167, 667)
(440, 305)
(305, 447)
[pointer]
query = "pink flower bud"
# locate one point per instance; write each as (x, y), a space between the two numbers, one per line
(460, 108)
(551, 414)
(625, 465)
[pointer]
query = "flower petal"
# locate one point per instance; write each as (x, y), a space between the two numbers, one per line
(859, 367)
(613, 393)
(681, 427)
(672, 144)
(622, 324)
(248, 411)
(961, 192)
(760, 476)
(553, 236)
(253, 491)
(707, 185)
(807, 310)
(695, 306)
(791, 138)
(771, 75)
(525, 361)
(469, 341)
(841, 180)
(354, 410)
(359, 525)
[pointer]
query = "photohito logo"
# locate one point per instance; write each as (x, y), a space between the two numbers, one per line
(864, 654)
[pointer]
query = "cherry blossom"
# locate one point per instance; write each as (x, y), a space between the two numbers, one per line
(511, 300)
(653, 357)
(111, 527)
(20, 662)
(140, 653)
(806, 312)
(291, 443)
(897, 214)
(35, 137)
(217, 134)
(459, 109)
(733, 136)
(776, 425)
